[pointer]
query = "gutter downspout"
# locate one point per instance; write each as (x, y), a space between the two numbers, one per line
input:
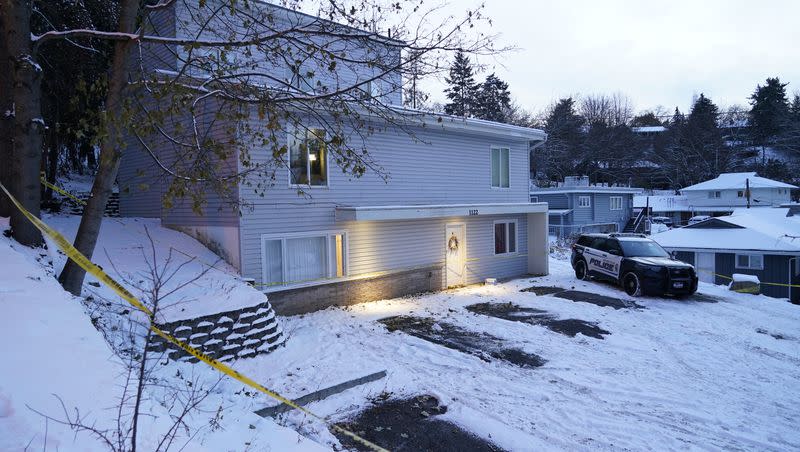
(791, 273)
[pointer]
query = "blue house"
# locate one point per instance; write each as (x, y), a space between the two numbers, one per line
(454, 210)
(576, 206)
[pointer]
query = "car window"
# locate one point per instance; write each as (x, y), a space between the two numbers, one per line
(642, 248)
(613, 247)
(584, 240)
(600, 243)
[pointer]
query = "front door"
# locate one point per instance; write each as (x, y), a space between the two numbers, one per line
(455, 254)
(705, 267)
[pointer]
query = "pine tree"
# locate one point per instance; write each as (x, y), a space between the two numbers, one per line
(702, 142)
(462, 90)
(565, 138)
(794, 111)
(493, 101)
(770, 111)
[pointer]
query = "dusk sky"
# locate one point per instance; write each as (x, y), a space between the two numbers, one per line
(656, 53)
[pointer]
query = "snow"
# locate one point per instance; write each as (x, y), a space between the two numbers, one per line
(737, 181)
(677, 374)
(763, 229)
(673, 375)
(740, 277)
(50, 348)
(122, 246)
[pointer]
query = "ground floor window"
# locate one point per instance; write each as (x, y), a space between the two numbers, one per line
(301, 258)
(750, 261)
(505, 237)
(615, 203)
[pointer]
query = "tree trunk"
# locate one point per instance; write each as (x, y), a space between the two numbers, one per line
(6, 121)
(71, 278)
(28, 125)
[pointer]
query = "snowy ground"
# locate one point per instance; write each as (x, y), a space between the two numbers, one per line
(674, 375)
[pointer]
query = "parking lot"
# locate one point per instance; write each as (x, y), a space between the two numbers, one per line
(552, 362)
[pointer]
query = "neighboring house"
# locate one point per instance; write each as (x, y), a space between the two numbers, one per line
(760, 242)
(454, 211)
(577, 206)
(719, 196)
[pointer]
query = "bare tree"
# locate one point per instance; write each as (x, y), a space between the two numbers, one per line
(143, 378)
(223, 64)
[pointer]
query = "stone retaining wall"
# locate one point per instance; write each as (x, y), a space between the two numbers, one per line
(225, 336)
(303, 300)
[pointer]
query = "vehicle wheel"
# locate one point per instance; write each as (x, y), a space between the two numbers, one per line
(631, 284)
(581, 271)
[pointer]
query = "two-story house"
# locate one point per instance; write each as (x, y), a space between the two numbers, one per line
(576, 206)
(453, 211)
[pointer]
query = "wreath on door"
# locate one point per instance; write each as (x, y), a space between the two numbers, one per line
(452, 244)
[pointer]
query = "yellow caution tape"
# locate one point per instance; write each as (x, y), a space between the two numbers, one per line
(98, 273)
(61, 191)
(761, 282)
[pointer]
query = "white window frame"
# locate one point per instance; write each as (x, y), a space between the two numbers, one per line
(611, 202)
(534, 199)
(715, 194)
(292, 136)
(330, 240)
(500, 149)
(749, 261)
(516, 236)
(588, 200)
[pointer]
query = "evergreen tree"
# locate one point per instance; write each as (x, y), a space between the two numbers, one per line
(646, 119)
(462, 90)
(794, 111)
(565, 137)
(493, 100)
(770, 111)
(702, 142)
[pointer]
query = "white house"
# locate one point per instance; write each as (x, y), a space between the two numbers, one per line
(717, 196)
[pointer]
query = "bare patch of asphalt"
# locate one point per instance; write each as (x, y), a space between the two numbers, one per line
(483, 345)
(603, 300)
(567, 327)
(410, 425)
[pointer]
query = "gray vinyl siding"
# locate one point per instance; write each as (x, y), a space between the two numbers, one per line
(598, 213)
(396, 245)
(350, 68)
(776, 270)
(438, 168)
(143, 184)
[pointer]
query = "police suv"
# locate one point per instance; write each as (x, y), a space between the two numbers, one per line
(635, 262)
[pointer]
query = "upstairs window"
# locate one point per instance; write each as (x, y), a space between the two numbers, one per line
(500, 168)
(308, 158)
(740, 194)
(750, 261)
(584, 201)
(505, 237)
(714, 195)
(615, 203)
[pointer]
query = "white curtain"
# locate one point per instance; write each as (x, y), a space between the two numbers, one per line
(273, 261)
(306, 259)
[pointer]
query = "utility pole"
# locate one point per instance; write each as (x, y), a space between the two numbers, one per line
(747, 191)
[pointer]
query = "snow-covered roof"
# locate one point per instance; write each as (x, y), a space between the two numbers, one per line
(648, 129)
(584, 189)
(759, 230)
(737, 181)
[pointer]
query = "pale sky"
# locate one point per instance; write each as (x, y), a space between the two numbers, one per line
(658, 53)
